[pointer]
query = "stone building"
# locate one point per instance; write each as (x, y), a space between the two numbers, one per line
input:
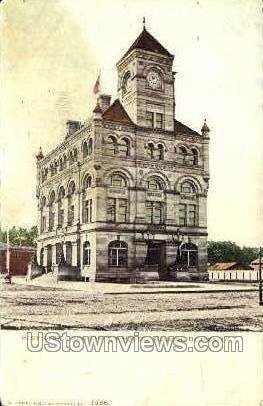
(127, 189)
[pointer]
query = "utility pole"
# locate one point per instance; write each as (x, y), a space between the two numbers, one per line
(260, 278)
(7, 253)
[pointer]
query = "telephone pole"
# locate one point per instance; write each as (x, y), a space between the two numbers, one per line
(260, 278)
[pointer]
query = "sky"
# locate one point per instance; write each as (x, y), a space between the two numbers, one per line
(52, 51)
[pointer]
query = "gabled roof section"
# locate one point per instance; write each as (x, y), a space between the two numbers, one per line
(147, 42)
(181, 128)
(117, 113)
(223, 266)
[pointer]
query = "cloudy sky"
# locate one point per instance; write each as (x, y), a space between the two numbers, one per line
(52, 51)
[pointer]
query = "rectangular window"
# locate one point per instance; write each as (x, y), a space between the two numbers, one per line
(157, 215)
(43, 223)
(154, 212)
(122, 211)
(71, 215)
(117, 210)
(60, 217)
(192, 215)
(87, 211)
(149, 212)
(149, 119)
(111, 210)
(182, 214)
(158, 120)
(86, 254)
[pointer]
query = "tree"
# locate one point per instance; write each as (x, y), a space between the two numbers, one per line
(20, 236)
(229, 251)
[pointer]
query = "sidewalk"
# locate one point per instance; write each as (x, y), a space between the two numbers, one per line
(99, 288)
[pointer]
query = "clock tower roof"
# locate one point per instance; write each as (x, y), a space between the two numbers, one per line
(147, 42)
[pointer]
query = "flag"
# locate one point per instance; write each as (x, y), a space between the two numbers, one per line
(96, 88)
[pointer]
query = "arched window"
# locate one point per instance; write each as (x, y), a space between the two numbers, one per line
(90, 146)
(159, 152)
(52, 169)
(87, 181)
(153, 184)
(150, 151)
(86, 200)
(124, 147)
(126, 82)
(112, 148)
(117, 180)
(51, 210)
(75, 154)
(86, 253)
(71, 157)
(71, 188)
(56, 165)
(193, 157)
(69, 252)
(71, 191)
(189, 254)
(61, 166)
(187, 188)
(182, 155)
(61, 195)
(43, 217)
(118, 254)
(85, 150)
(64, 161)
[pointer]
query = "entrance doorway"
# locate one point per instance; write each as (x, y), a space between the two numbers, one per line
(156, 254)
(49, 258)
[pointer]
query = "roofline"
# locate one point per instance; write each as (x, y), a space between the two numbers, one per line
(171, 56)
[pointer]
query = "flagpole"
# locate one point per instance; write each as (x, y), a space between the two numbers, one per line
(7, 253)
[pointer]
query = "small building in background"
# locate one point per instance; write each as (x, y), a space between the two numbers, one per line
(255, 264)
(232, 271)
(228, 266)
(19, 258)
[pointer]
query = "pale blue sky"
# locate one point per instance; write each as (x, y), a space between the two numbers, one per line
(52, 51)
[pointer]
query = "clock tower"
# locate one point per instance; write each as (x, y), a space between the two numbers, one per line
(146, 83)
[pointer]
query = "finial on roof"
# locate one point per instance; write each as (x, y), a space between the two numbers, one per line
(143, 22)
(205, 128)
(39, 155)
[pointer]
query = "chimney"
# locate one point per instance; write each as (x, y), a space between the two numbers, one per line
(104, 102)
(72, 127)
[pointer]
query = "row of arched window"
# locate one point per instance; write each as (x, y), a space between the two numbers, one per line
(154, 184)
(117, 254)
(66, 160)
(117, 207)
(187, 156)
(120, 148)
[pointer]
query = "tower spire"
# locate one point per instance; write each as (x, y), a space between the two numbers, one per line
(143, 22)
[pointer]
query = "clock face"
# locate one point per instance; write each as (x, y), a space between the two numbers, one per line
(154, 80)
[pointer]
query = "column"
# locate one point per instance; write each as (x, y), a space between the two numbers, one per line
(140, 201)
(170, 208)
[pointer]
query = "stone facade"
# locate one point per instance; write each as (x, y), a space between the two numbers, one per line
(131, 169)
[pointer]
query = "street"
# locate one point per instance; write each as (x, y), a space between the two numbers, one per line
(38, 307)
